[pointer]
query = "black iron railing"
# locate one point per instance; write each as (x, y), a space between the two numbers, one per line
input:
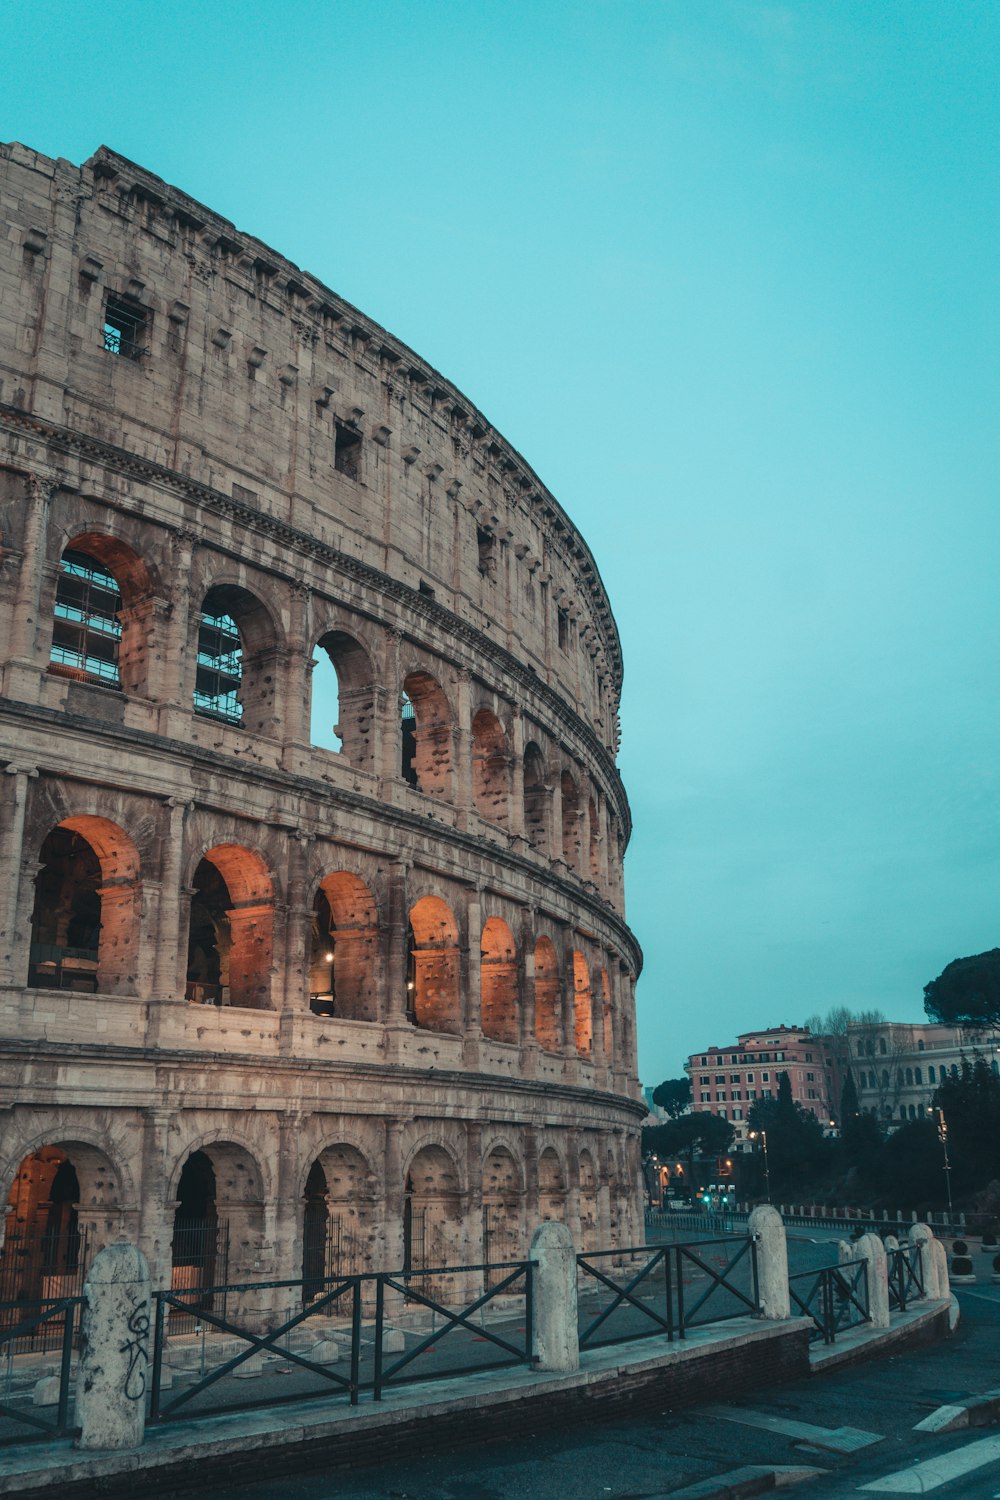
(47, 1324)
(834, 1297)
(906, 1276)
(665, 1289)
(387, 1328)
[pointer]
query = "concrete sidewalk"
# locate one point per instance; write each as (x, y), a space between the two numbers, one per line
(720, 1361)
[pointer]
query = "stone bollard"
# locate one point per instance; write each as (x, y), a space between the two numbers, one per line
(941, 1264)
(114, 1350)
(845, 1252)
(772, 1262)
(555, 1335)
(921, 1238)
(872, 1249)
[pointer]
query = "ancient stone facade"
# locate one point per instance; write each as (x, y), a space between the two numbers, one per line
(279, 997)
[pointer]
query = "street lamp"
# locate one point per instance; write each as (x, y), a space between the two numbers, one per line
(761, 1135)
(942, 1130)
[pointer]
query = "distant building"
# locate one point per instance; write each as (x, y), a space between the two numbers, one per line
(897, 1066)
(728, 1080)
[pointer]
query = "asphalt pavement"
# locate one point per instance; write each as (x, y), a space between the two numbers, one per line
(853, 1427)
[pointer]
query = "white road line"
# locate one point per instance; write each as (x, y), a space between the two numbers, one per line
(985, 1296)
(920, 1478)
(832, 1439)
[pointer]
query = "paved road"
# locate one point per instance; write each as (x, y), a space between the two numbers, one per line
(795, 1425)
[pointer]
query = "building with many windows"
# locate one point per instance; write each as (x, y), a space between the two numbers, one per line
(727, 1081)
(898, 1066)
(313, 947)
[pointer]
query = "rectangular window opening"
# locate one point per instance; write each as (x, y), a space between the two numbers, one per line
(126, 328)
(347, 451)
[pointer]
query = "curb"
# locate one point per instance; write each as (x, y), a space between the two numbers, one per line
(976, 1411)
(741, 1483)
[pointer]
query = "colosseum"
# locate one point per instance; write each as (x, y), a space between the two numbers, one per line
(313, 949)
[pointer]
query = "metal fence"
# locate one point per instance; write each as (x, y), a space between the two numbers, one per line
(668, 1289)
(906, 1276)
(834, 1297)
(381, 1328)
(38, 1327)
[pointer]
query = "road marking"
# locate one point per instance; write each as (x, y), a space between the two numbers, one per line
(831, 1439)
(920, 1478)
(984, 1296)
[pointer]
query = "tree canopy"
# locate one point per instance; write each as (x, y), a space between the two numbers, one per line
(967, 992)
(673, 1095)
(796, 1148)
(687, 1135)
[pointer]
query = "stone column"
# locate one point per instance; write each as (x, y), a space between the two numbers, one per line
(251, 932)
(553, 796)
(27, 599)
(530, 1147)
(295, 979)
(297, 670)
(177, 703)
(871, 1249)
(526, 994)
(13, 947)
(394, 938)
(516, 821)
(287, 1228)
(156, 1221)
(115, 1352)
(555, 1339)
(462, 749)
(597, 1052)
(168, 934)
(470, 967)
(473, 1205)
(573, 1185)
(386, 708)
(568, 987)
(766, 1226)
(119, 951)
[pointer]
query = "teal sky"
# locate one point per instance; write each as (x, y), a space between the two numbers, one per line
(726, 274)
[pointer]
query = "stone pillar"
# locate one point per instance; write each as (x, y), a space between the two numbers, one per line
(13, 948)
(470, 968)
(295, 979)
(115, 1352)
(941, 1266)
(119, 951)
(526, 994)
(772, 1262)
(177, 703)
(472, 1208)
(392, 1231)
(27, 600)
(871, 1249)
(553, 796)
(555, 1339)
(394, 938)
(567, 974)
(530, 1178)
(461, 740)
(168, 933)
(516, 821)
(287, 1226)
(573, 1186)
(297, 671)
(156, 1222)
(597, 1053)
(921, 1238)
(386, 707)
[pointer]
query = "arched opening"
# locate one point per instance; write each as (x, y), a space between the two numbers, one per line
(432, 1218)
(583, 1021)
(338, 1219)
(433, 1000)
(588, 1203)
(63, 1206)
(570, 799)
(536, 800)
(548, 1028)
(551, 1186)
(490, 768)
(85, 917)
(503, 1219)
(231, 930)
(86, 629)
(342, 978)
(234, 673)
(342, 711)
(218, 1229)
(498, 982)
(427, 751)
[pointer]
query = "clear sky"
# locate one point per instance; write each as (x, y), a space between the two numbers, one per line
(726, 274)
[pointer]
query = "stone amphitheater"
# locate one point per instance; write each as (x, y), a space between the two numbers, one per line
(313, 949)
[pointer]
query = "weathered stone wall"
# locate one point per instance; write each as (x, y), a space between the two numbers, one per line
(256, 448)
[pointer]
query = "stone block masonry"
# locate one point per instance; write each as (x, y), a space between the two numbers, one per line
(313, 955)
